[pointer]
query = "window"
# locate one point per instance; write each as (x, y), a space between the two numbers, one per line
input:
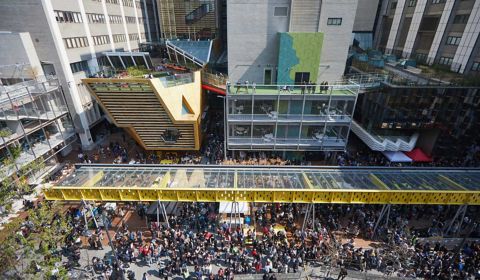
(452, 40)
(280, 11)
(67, 16)
(334, 21)
(412, 3)
(114, 19)
(445, 60)
(133, 37)
(421, 57)
(112, 1)
(76, 42)
(393, 6)
(460, 19)
(100, 40)
(96, 18)
(128, 3)
(79, 66)
(476, 66)
(130, 19)
(438, 1)
(170, 135)
(267, 76)
(117, 38)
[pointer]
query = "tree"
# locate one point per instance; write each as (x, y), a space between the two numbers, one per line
(22, 253)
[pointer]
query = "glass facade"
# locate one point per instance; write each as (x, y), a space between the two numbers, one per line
(289, 117)
(34, 123)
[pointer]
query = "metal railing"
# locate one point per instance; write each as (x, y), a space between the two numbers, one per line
(199, 12)
(177, 79)
(346, 88)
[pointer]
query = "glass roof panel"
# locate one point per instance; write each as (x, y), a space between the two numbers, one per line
(280, 177)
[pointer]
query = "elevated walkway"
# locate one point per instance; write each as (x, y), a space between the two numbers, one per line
(289, 184)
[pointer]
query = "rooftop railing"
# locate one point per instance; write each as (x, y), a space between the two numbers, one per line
(342, 88)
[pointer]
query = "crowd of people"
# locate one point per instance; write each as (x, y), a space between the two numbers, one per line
(200, 243)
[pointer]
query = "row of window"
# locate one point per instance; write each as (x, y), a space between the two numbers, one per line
(128, 3)
(438, 1)
(130, 19)
(76, 42)
(101, 40)
(445, 60)
(117, 38)
(95, 18)
(79, 66)
(133, 37)
(67, 16)
(334, 21)
(112, 1)
(142, 36)
(412, 3)
(453, 40)
(115, 19)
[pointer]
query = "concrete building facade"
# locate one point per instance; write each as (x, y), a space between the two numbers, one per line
(443, 32)
(35, 124)
(254, 29)
(70, 37)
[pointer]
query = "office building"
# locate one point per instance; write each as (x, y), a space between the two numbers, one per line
(159, 113)
(287, 42)
(282, 118)
(35, 124)
(70, 38)
(442, 32)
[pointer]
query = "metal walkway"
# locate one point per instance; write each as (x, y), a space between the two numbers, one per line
(297, 184)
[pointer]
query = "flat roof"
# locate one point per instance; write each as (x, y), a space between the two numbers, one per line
(274, 177)
(342, 90)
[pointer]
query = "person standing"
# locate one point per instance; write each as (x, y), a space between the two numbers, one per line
(343, 273)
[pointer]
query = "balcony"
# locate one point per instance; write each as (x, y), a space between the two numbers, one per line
(288, 118)
(292, 144)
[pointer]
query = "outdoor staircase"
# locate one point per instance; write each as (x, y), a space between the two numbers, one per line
(385, 144)
(200, 12)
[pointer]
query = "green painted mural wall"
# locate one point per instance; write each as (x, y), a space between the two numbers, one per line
(299, 52)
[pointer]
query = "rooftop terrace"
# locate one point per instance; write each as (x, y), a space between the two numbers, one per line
(340, 88)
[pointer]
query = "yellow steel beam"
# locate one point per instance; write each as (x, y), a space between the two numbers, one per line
(379, 183)
(92, 181)
(450, 181)
(307, 181)
(263, 195)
